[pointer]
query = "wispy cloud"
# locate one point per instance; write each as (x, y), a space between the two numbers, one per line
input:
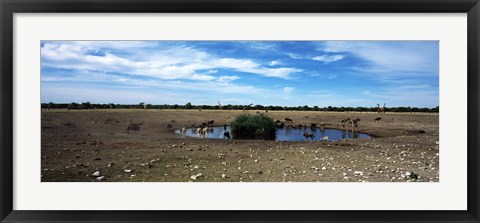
(391, 57)
(295, 56)
(179, 62)
(288, 90)
(274, 63)
(328, 58)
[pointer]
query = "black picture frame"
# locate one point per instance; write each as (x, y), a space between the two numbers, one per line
(9, 7)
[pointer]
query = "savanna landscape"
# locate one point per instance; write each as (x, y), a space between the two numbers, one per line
(78, 143)
(239, 111)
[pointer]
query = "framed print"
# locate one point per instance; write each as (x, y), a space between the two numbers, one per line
(239, 111)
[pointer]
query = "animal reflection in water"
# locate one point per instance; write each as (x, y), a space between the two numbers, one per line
(219, 132)
(351, 135)
(308, 135)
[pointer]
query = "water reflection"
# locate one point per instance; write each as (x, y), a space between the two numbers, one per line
(282, 134)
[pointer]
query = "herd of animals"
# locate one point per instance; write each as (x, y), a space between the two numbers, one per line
(204, 128)
(348, 124)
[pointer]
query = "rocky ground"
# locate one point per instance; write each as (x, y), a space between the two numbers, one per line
(93, 146)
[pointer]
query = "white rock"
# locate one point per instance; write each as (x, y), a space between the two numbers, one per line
(128, 171)
(193, 177)
(101, 178)
(199, 175)
(358, 173)
(96, 174)
(224, 175)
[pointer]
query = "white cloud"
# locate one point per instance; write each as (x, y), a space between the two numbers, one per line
(288, 90)
(225, 79)
(261, 45)
(328, 58)
(178, 62)
(295, 56)
(390, 56)
(274, 63)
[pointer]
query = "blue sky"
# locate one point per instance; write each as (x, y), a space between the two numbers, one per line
(285, 73)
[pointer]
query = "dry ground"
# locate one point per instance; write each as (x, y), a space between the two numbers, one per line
(75, 144)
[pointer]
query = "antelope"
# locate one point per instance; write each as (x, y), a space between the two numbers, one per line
(226, 135)
(133, 127)
(308, 135)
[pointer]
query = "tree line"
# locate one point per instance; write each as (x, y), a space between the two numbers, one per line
(142, 105)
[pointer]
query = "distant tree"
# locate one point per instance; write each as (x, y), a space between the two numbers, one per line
(86, 105)
(72, 105)
(142, 105)
(188, 106)
(259, 107)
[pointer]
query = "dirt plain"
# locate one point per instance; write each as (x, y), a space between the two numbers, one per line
(78, 143)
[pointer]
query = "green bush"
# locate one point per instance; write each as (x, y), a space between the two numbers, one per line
(253, 127)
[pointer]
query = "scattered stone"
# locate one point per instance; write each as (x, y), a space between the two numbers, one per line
(96, 174)
(358, 173)
(102, 178)
(128, 171)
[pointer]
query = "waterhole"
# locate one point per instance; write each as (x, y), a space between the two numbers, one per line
(282, 134)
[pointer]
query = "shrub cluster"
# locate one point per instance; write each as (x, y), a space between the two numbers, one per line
(247, 126)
